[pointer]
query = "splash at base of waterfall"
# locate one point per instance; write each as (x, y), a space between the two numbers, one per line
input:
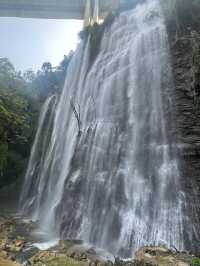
(116, 185)
(46, 245)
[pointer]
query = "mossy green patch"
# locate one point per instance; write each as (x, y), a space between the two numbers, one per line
(65, 262)
(59, 261)
(196, 262)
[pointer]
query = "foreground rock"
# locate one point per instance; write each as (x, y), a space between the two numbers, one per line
(69, 252)
(52, 258)
(16, 249)
(15, 242)
(158, 256)
(5, 262)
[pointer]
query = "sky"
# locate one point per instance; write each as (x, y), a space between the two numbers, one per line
(28, 43)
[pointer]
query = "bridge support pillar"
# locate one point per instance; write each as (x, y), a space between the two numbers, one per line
(91, 12)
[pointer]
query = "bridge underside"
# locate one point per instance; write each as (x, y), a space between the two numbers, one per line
(52, 9)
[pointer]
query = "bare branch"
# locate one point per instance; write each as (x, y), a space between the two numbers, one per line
(77, 114)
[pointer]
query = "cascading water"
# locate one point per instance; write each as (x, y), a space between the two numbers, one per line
(38, 154)
(117, 184)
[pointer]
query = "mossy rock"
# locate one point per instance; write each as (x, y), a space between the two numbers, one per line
(58, 261)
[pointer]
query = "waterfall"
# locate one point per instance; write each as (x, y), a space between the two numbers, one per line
(117, 183)
(38, 156)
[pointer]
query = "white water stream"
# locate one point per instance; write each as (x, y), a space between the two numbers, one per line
(117, 185)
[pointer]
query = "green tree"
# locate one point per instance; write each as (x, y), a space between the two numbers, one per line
(17, 120)
(29, 75)
(6, 67)
(21, 96)
(47, 67)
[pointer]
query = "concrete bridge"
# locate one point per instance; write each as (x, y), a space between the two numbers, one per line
(58, 9)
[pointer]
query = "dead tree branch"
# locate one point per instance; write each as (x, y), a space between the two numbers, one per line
(77, 114)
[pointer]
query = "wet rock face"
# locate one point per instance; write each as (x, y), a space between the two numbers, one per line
(187, 114)
(187, 130)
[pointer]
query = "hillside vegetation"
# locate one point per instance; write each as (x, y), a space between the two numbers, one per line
(17, 122)
(21, 97)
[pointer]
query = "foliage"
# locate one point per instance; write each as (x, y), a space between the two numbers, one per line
(16, 130)
(48, 80)
(18, 113)
(196, 262)
(21, 97)
(10, 78)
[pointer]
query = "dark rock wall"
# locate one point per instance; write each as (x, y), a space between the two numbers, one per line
(187, 113)
(187, 124)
